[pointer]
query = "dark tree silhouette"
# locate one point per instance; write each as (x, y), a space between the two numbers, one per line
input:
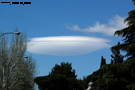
(64, 69)
(128, 34)
(120, 76)
(103, 61)
(61, 77)
(116, 56)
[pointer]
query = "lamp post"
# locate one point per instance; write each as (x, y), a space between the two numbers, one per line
(17, 33)
(5, 83)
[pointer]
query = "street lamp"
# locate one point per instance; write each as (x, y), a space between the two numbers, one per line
(17, 33)
(25, 56)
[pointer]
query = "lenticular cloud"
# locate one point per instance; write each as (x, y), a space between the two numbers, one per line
(66, 45)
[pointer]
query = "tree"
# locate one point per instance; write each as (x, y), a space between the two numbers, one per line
(111, 61)
(117, 76)
(64, 69)
(52, 82)
(61, 77)
(16, 73)
(103, 61)
(128, 34)
(116, 56)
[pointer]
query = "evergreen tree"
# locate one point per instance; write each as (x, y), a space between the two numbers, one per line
(116, 56)
(128, 34)
(61, 77)
(64, 69)
(119, 76)
(111, 61)
(103, 61)
(114, 77)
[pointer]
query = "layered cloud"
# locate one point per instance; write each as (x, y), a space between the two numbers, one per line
(66, 45)
(114, 24)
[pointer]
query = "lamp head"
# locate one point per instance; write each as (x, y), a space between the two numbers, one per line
(25, 56)
(17, 33)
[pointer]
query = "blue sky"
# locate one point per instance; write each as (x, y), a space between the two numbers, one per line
(75, 31)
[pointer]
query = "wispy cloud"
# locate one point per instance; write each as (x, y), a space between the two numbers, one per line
(114, 24)
(66, 45)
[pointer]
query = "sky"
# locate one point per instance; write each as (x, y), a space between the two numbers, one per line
(74, 31)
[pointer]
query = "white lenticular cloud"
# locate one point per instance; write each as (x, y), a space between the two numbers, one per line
(114, 24)
(66, 45)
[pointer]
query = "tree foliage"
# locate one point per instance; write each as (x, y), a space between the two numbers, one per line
(103, 61)
(61, 77)
(52, 82)
(120, 76)
(16, 73)
(116, 56)
(128, 34)
(64, 69)
(114, 76)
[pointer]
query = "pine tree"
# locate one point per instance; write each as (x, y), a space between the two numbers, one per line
(116, 56)
(111, 61)
(103, 61)
(128, 34)
(64, 69)
(61, 77)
